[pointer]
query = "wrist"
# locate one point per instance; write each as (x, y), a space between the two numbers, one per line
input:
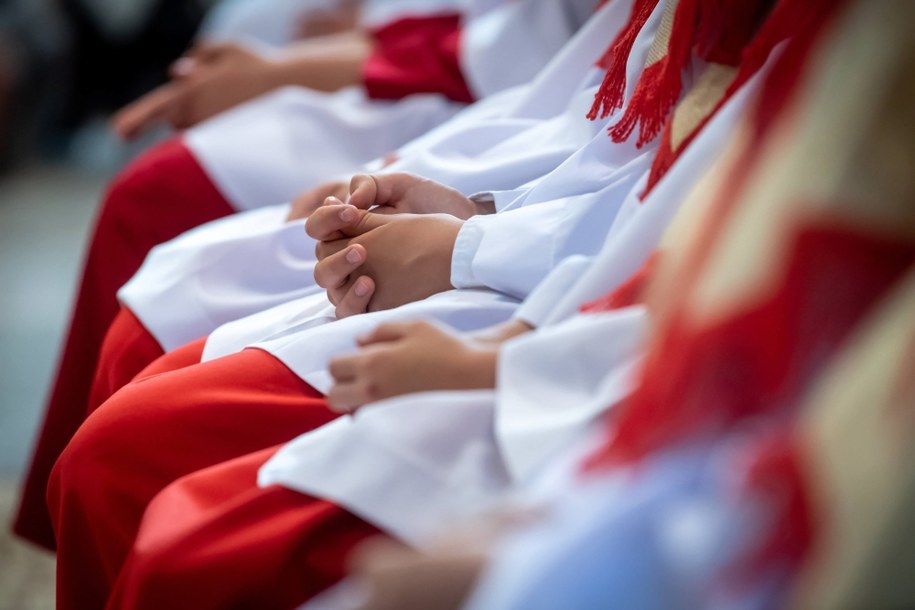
(446, 244)
(278, 71)
(478, 368)
(483, 203)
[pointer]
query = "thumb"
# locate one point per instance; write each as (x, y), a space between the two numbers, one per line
(380, 189)
(135, 118)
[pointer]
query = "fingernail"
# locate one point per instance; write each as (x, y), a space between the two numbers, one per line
(362, 288)
(347, 214)
(332, 201)
(353, 256)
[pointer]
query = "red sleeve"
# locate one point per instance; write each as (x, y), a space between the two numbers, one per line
(417, 55)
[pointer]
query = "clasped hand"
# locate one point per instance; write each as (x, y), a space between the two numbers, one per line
(395, 253)
(398, 359)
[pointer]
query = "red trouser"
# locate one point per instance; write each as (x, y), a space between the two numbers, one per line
(161, 195)
(215, 540)
(168, 423)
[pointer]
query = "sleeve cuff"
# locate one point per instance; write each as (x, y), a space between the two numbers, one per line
(465, 248)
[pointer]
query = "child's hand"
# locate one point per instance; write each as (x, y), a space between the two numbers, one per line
(398, 359)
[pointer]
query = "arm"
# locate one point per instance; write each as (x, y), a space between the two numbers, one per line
(214, 77)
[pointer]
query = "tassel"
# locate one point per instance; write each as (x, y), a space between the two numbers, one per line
(666, 157)
(609, 97)
(661, 83)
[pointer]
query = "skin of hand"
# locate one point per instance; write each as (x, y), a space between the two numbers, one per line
(397, 577)
(500, 333)
(410, 194)
(214, 77)
(404, 358)
(372, 262)
(305, 204)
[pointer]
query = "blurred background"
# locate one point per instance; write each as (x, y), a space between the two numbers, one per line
(65, 66)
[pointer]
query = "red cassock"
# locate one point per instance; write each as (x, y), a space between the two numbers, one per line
(158, 197)
(177, 418)
(161, 195)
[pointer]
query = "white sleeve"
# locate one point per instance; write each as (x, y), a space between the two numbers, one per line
(513, 251)
(508, 45)
(536, 309)
(554, 383)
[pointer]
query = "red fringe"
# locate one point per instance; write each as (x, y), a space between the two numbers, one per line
(609, 97)
(666, 156)
(661, 83)
(717, 42)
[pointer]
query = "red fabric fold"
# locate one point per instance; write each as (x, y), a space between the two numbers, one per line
(417, 55)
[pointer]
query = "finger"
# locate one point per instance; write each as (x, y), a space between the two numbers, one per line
(332, 200)
(384, 333)
(343, 369)
(357, 298)
(380, 189)
(183, 68)
(324, 249)
(347, 397)
(362, 191)
(137, 117)
(328, 222)
(334, 270)
(210, 51)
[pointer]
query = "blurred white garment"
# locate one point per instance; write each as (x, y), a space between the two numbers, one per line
(502, 142)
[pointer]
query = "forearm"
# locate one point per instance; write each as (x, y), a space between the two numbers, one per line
(476, 369)
(327, 63)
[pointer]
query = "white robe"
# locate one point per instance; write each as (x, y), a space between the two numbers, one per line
(269, 150)
(497, 258)
(218, 273)
(275, 22)
(413, 463)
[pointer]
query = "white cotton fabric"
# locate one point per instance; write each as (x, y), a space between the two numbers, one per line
(505, 141)
(531, 427)
(553, 385)
(271, 149)
(574, 205)
(275, 22)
